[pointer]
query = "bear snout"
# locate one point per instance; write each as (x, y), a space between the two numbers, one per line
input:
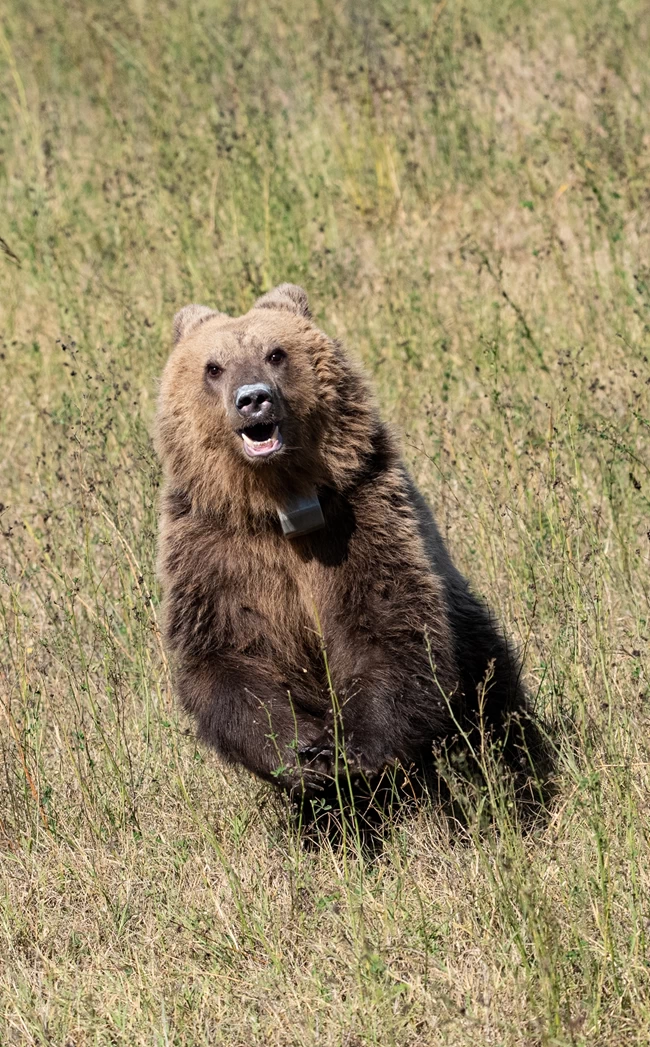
(258, 420)
(254, 403)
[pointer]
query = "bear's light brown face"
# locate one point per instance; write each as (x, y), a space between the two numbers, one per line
(247, 380)
(244, 386)
(256, 407)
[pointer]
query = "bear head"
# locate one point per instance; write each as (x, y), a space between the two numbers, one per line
(258, 408)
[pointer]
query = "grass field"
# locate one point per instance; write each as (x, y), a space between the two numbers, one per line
(464, 189)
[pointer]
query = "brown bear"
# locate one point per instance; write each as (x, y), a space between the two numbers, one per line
(308, 596)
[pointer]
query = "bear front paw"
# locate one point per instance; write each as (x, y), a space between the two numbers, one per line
(325, 758)
(317, 760)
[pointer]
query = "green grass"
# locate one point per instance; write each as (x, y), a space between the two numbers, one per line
(462, 187)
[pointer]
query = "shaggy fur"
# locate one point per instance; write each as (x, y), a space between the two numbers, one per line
(262, 629)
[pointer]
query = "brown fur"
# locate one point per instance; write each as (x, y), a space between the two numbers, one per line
(255, 622)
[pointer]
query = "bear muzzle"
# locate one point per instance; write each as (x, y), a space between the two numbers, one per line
(255, 405)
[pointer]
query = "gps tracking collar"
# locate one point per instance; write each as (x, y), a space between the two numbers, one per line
(301, 515)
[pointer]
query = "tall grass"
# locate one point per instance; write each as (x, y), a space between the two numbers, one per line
(463, 188)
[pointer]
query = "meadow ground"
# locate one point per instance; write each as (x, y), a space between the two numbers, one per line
(464, 189)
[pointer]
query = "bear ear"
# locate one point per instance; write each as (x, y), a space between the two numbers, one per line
(286, 296)
(191, 316)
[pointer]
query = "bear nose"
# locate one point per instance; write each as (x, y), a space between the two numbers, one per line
(253, 400)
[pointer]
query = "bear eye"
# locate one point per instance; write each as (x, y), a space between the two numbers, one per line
(214, 370)
(277, 356)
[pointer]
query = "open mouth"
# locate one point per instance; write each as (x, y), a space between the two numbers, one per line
(261, 440)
